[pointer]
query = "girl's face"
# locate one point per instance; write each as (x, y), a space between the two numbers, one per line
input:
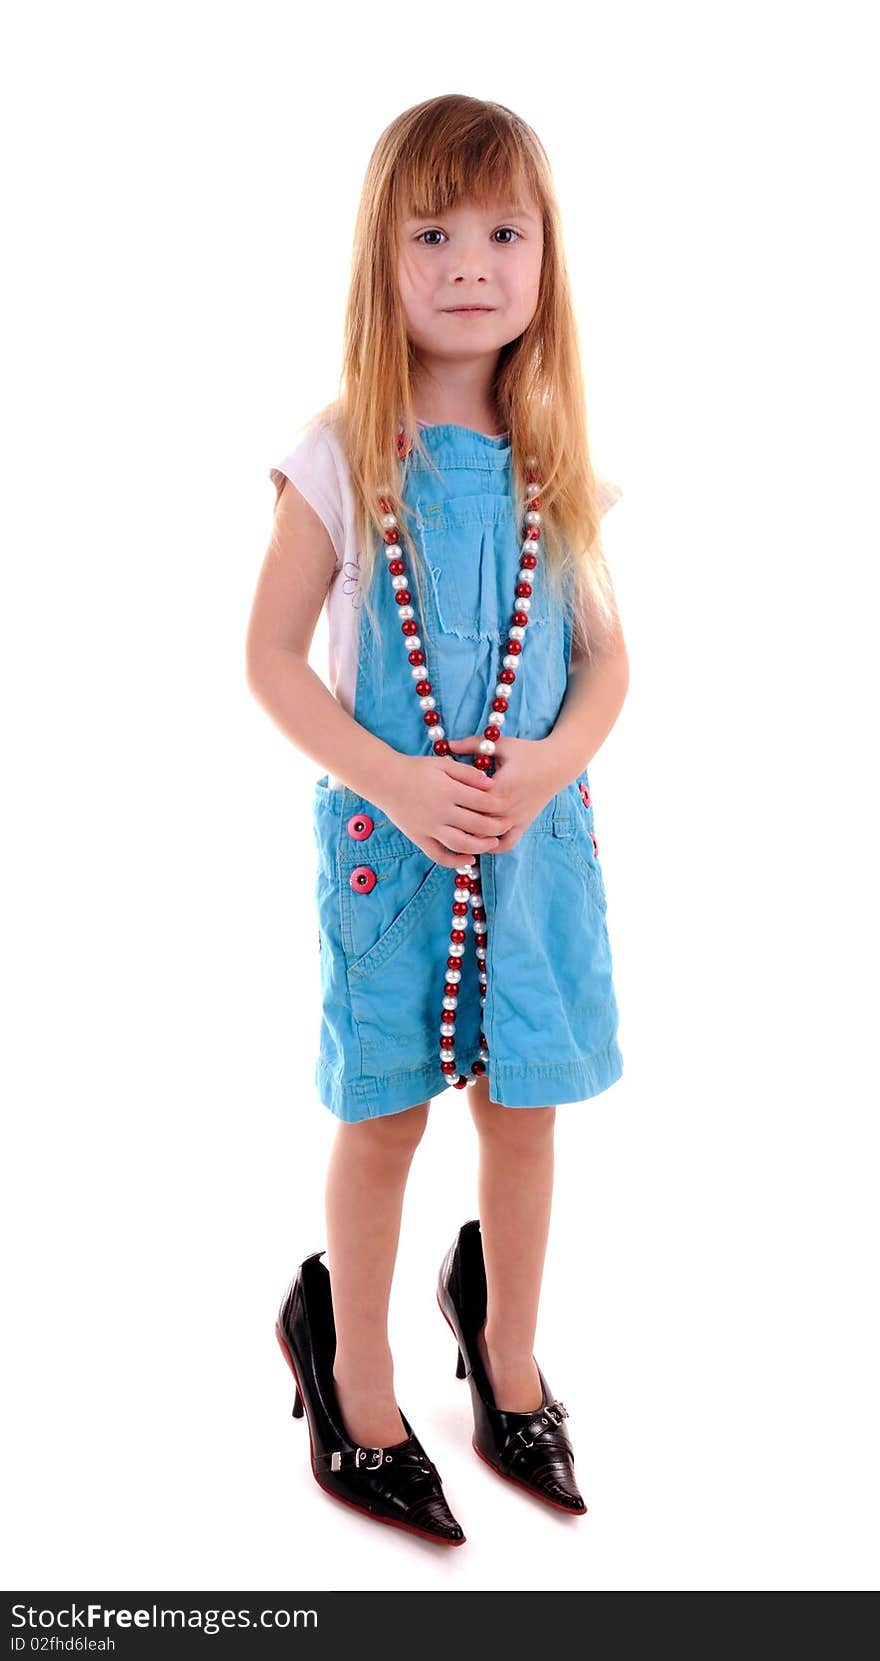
(470, 256)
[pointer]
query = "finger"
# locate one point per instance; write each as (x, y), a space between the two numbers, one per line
(474, 842)
(465, 774)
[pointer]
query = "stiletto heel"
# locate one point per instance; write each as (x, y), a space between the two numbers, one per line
(399, 1485)
(531, 1449)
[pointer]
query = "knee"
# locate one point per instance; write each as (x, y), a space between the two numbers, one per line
(396, 1134)
(514, 1127)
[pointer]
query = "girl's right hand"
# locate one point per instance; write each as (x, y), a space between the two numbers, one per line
(443, 805)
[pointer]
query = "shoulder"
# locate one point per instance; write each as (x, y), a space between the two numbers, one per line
(315, 463)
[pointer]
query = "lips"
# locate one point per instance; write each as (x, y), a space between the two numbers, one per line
(468, 308)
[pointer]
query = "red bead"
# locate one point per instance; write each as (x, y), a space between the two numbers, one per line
(460, 1084)
(478, 1067)
(524, 589)
(417, 656)
(492, 732)
(453, 963)
(533, 532)
(447, 1043)
(448, 1067)
(479, 913)
(484, 1043)
(404, 445)
(450, 990)
(423, 688)
(402, 596)
(513, 646)
(384, 504)
(528, 562)
(392, 536)
(520, 618)
(459, 908)
(432, 718)
(457, 936)
(507, 676)
(534, 502)
(409, 626)
(483, 763)
(396, 567)
(441, 747)
(500, 704)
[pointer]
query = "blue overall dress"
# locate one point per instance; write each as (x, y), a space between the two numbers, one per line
(550, 1016)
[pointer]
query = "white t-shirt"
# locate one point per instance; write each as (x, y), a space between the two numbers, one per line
(318, 467)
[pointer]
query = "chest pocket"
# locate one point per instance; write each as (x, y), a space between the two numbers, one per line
(471, 548)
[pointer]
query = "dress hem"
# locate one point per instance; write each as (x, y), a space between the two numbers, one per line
(570, 1081)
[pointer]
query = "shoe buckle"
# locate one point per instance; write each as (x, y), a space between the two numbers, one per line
(373, 1465)
(558, 1411)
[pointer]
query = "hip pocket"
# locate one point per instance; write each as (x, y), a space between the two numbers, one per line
(396, 955)
(573, 831)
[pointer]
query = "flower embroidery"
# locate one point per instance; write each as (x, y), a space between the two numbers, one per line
(351, 582)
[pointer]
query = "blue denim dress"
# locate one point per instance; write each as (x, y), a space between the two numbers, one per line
(550, 1015)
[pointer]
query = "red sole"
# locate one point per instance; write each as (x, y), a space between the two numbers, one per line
(391, 1522)
(554, 1504)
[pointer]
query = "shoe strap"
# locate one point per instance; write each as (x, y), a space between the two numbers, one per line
(547, 1418)
(374, 1459)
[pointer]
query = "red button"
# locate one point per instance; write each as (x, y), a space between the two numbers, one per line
(585, 794)
(359, 826)
(362, 879)
(595, 844)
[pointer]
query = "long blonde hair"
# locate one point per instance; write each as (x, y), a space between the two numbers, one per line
(430, 158)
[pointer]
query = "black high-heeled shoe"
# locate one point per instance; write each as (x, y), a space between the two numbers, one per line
(398, 1484)
(532, 1449)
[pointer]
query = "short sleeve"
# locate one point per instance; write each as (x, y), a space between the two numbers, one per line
(312, 466)
(608, 493)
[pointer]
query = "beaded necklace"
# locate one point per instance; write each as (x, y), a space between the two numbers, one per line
(467, 891)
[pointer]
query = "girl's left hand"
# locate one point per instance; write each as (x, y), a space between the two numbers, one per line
(526, 781)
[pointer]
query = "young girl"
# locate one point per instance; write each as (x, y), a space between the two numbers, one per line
(446, 508)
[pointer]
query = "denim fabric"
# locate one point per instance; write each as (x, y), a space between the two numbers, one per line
(551, 1013)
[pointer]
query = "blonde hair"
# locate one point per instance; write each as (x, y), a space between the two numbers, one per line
(433, 156)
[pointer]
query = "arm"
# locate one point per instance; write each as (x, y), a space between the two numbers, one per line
(593, 700)
(290, 594)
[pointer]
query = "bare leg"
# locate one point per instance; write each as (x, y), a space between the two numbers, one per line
(515, 1194)
(366, 1179)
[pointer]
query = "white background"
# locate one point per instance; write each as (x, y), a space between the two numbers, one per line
(181, 185)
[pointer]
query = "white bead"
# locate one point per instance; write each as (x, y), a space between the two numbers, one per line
(481, 952)
(452, 1078)
(530, 546)
(393, 550)
(453, 975)
(486, 746)
(461, 894)
(498, 717)
(412, 643)
(450, 1003)
(438, 732)
(417, 671)
(399, 581)
(456, 949)
(523, 602)
(458, 922)
(406, 613)
(483, 976)
(447, 1029)
(510, 661)
(480, 925)
(533, 517)
(389, 520)
(427, 702)
(502, 690)
(531, 461)
(533, 490)
(466, 866)
(516, 631)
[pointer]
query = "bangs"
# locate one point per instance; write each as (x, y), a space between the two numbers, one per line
(484, 164)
